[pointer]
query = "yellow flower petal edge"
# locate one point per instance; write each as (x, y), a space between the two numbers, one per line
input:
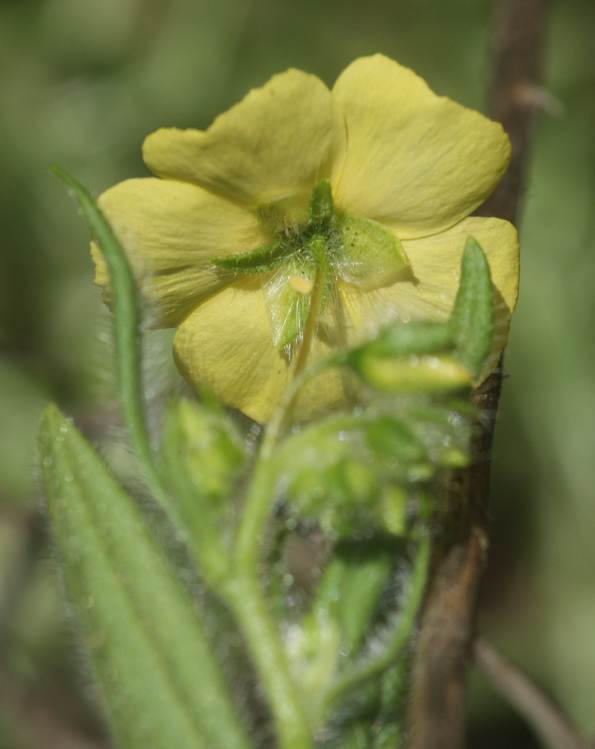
(380, 150)
(276, 143)
(436, 265)
(225, 346)
(170, 231)
(414, 160)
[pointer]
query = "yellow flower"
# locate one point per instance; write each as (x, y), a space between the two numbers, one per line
(391, 168)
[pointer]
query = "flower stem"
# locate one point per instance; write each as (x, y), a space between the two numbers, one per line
(245, 597)
(261, 633)
(319, 250)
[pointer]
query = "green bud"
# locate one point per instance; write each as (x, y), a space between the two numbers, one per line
(420, 472)
(203, 456)
(414, 374)
(452, 457)
(393, 510)
(202, 444)
(392, 441)
(355, 480)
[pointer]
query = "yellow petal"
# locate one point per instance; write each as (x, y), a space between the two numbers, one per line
(274, 144)
(416, 161)
(226, 346)
(170, 230)
(436, 265)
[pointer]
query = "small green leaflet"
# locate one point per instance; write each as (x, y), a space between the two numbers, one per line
(472, 315)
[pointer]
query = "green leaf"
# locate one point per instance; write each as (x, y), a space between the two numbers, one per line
(391, 646)
(159, 682)
(472, 315)
(126, 325)
(350, 588)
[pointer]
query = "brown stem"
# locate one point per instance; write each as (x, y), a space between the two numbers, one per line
(548, 721)
(437, 708)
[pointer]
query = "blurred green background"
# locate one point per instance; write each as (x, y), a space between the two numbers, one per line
(81, 83)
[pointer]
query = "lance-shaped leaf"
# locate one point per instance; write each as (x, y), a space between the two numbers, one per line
(156, 674)
(472, 315)
(351, 585)
(126, 329)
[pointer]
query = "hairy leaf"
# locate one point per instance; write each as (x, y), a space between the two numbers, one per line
(153, 664)
(472, 315)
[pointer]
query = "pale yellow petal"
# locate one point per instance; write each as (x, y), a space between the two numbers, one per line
(274, 144)
(414, 160)
(170, 231)
(226, 346)
(436, 266)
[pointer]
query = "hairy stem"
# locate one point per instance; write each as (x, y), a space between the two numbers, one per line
(313, 313)
(262, 636)
(247, 599)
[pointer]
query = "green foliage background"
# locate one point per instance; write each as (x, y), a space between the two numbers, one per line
(81, 84)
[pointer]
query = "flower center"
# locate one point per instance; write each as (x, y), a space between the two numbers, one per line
(350, 249)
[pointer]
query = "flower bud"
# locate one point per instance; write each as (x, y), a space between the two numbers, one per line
(413, 374)
(202, 444)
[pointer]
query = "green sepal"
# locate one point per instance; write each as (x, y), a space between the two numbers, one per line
(158, 680)
(472, 315)
(260, 260)
(371, 256)
(287, 303)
